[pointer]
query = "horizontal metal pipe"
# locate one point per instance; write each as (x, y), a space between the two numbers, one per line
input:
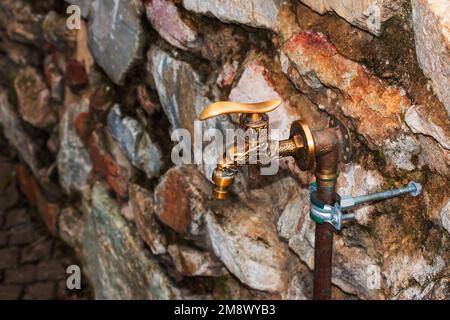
(412, 188)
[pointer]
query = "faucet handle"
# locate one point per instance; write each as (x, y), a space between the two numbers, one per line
(224, 107)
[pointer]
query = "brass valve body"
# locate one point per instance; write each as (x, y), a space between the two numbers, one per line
(307, 147)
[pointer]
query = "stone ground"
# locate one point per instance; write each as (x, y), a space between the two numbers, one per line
(32, 262)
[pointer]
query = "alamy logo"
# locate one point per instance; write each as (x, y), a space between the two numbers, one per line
(74, 280)
(374, 17)
(73, 22)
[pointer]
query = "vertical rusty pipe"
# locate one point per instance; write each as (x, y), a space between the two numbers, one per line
(323, 255)
(327, 157)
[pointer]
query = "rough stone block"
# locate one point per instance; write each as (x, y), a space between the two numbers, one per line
(445, 217)
(34, 98)
(47, 210)
(267, 14)
(74, 164)
(345, 88)
(178, 200)
(356, 181)
(135, 142)
(180, 89)
(109, 164)
(56, 33)
(70, 226)
(431, 24)
(242, 237)
(191, 262)
(116, 36)
(116, 262)
(16, 135)
(76, 77)
(145, 217)
(403, 268)
(256, 85)
(420, 121)
(369, 15)
(54, 76)
(9, 257)
(20, 22)
(167, 21)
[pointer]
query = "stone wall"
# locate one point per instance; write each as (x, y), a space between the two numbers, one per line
(90, 113)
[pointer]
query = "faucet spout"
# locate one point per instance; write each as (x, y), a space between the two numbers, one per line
(227, 168)
(251, 153)
(222, 179)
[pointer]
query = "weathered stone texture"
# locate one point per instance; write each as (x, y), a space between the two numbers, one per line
(180, 89)
(432, 36)
(318, 69)
(116, 36)
(49, 211)
(135, 143)
(145, 217)
(244, 239)
(34, 98)
(70, 226)
(116, 260)
(16, 134)
(369, 15)
(252, 251)
(256, 85)
(419, 121)
(166, 19)
(178, 200)
(191, 262)
(74, 163)
(356, 181)
(20, 22)
(399, 271)
(445, 217)
(109, 162)
(256, 13)
(54, 77)
(183, 94)
(343, 87)
(55, 31)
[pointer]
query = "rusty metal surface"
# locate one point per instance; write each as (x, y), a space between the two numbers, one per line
(346, 147)
(323, 249)
(326, 175)
(323, 256)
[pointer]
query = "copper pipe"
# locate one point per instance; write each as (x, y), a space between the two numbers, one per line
(327, 157)
(323, 257)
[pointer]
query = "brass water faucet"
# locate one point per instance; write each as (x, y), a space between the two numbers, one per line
(326, 147)
(323, 149)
